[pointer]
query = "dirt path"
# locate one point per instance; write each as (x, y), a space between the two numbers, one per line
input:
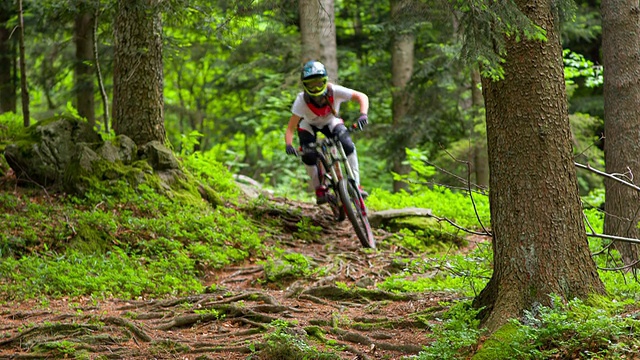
(337, 309)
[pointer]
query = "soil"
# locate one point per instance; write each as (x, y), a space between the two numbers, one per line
(340, 310)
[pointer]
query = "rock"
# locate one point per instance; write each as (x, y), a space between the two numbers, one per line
(42, 155)
(159, 156)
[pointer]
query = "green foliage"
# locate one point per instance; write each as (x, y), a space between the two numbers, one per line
(466, 274)
(118, 241)
(577, 66)
(281, 265)
(306, 229)
(587, 145)
(11, 125)
(281, 344)
(458, 331)
(62, 348)
(114, 274)
(424, 237)
(212, 172)
(569, 330)
(443, 202)
(487, 26)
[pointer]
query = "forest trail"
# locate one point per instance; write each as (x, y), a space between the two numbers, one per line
(336, 308)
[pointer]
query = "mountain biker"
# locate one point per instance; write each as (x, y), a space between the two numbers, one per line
(317, 109)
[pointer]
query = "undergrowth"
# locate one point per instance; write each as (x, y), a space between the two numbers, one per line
(283, 344)
(117, 241)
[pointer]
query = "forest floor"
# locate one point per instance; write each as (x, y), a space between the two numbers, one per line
(338, 310)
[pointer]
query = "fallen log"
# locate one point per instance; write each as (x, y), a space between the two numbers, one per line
(379, 218)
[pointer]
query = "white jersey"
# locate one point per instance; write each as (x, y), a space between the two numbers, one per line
(309, 118)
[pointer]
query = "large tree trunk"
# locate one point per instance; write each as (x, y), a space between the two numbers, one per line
(402, 50)
(137, 71)
(84, 75)
(8, 95)
(621, 58)
(318, 30)
(540, 245)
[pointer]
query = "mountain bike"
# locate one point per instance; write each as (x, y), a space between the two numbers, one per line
(345, 197)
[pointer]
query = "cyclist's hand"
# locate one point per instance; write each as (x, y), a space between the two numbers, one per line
(291, 150)
(362, 121)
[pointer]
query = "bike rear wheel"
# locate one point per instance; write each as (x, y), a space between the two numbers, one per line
(356, 212)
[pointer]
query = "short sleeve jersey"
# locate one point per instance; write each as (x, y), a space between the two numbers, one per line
(300, 107)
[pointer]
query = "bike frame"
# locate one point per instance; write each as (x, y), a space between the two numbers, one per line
(332, 161)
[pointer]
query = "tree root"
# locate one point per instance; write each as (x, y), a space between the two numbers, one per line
(138, 332)
(336, 293)
(356, 338)
(49, 329)
(253, 296)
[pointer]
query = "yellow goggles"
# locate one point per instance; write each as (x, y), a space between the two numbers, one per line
(315, 86)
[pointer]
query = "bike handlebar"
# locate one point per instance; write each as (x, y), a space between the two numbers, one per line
(353, 128)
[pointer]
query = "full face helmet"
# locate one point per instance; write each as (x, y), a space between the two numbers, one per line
(314, 78)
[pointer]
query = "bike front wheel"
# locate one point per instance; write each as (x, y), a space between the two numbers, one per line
(356, 212)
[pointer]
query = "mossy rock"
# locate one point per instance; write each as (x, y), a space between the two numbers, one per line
(65, 153)
(498, 344)
(89, 240)
(42, 152)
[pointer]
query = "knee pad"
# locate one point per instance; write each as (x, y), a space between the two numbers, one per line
(345, 139)
(309, 156)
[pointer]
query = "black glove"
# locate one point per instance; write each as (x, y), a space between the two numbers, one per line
(291, 150)
(362, 121)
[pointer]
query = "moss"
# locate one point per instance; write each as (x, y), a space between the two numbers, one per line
(89, 240)
(315, 332)
(498, 344)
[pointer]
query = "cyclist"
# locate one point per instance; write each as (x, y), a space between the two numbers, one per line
(317, 109)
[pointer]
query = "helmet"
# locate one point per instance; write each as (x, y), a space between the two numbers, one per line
(314, 78)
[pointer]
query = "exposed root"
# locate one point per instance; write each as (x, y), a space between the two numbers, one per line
(50, 329)
(336, 293)
(188, 320)
(137, 331)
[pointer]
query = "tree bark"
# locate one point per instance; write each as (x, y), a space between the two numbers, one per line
(8, 95)
(318, 31)
(84, 75)
(540, 245)
(137, 71)
(621, 58)
(402, 52)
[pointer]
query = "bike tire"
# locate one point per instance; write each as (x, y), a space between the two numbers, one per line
(334, 204)
(356, 212)
(336, 208)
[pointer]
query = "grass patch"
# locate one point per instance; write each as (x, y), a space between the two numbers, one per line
(122, 241)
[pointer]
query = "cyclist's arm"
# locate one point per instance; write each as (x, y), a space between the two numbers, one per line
(291, 129)
(362, 99)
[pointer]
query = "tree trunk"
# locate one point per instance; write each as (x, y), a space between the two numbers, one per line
(84, 66)
(137, 71)
(540, 245)
(480, 156)
(621, 58)
(8, 95)
(24, 95)
(402, 51)
(318, 30)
